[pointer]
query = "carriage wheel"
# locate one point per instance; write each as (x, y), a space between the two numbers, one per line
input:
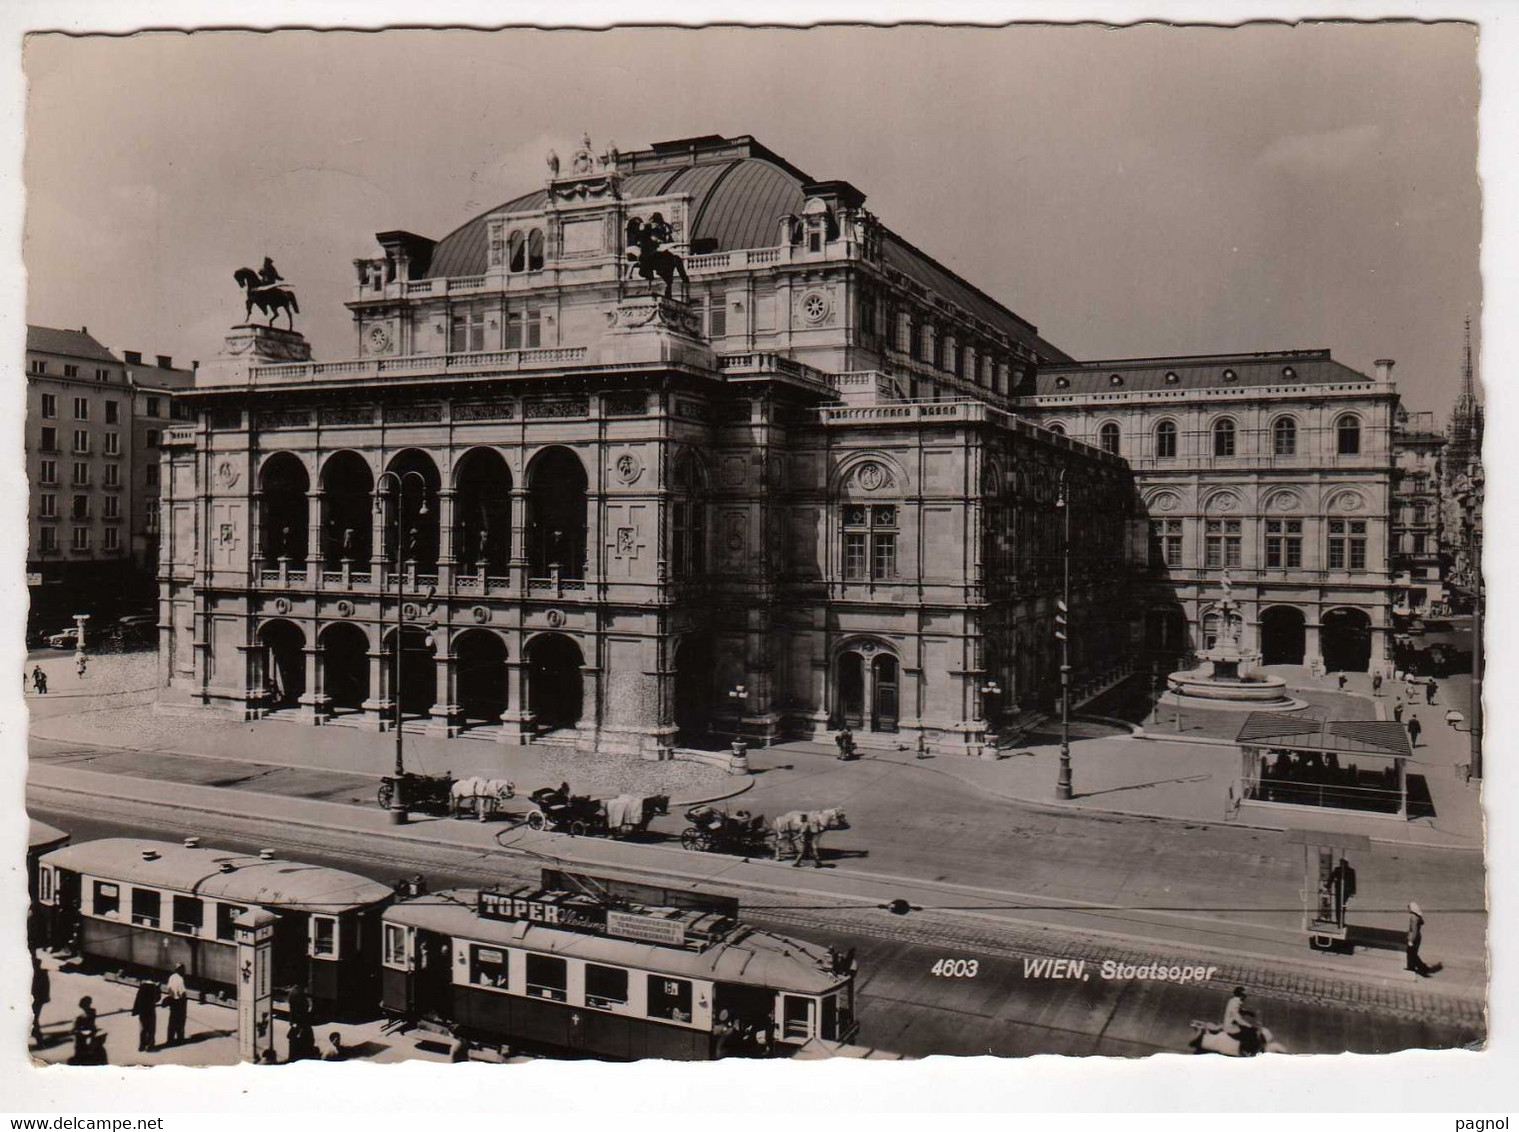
(535, 820)
(387, 792)
(578, 828)
(694, 840)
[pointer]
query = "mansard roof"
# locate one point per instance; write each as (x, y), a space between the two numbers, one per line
(1199, 371)
(739, 192)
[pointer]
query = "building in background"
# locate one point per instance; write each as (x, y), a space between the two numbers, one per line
(155, 408)
(1462, 487)
(1276, 467)
(1418, 512)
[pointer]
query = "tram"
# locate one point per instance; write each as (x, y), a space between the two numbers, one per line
(41, 839)
(146, 905)
(576, 973)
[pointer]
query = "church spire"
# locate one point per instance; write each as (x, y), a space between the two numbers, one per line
(1465, 443)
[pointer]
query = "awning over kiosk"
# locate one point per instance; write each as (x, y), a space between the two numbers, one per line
(1353, 764)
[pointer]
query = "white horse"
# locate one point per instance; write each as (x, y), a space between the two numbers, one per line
(483, 795)
(1210, 1037)
(788, 828)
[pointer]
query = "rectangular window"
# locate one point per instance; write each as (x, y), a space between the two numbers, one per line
(48, 472)
(151, 512)
(605, 986)
(81, 473)
(147, 907)
(393, 945)
(70, 371)
(468, 331)
(81, 408)
(81, 440)
(547, 977)
(102, 375)
(153, 407)
(49, 406)
(112, 412)
(107, 899)
(49, 441)
(189, 914)
(48, 539)
(81, 539)
(514, 331)
(150, 475)
(1284, 544)
(1223, 543)
(36, 365)
(854, 556)
(1347, 544)
(47, 506)
(113, 444)
(717, 315)
(487, 966)
(113, 507)
(1420, 540)
(324, 937)
(883, 556)
(532, 333)
(670, 998)
(113, 475)
(1165, 542)
(226, 920)
(80, 508)
(113, 538)
(870, 542)
(150, 438)
(796, 1016)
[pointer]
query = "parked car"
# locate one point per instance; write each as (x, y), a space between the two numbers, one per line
(138, 626)
(66, 639)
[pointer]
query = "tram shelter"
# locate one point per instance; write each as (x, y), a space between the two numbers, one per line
(1358, 766)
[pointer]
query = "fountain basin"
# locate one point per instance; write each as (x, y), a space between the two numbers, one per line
(1259, 691)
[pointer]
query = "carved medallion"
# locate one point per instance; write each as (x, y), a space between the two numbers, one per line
(628, 467)
(1165, 502)
(379, 338)
(873, 477)
(555, 617)
(345, 608)
(1223, 503)
(1283, 501)
(411, 611)
(1348, 502)
(815, 306)
(282, 605)
(226, 474)
(480, 614)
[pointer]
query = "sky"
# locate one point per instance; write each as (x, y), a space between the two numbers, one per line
(1132, 192)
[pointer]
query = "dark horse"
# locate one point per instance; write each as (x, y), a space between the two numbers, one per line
(269, 300)
(650, 258)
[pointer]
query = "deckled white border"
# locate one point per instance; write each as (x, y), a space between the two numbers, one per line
(420, 1096)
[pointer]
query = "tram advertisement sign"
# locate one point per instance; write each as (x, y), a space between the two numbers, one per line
(647, 929)
(506, 906)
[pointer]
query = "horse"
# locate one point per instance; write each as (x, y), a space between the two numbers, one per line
(631, 813)
(650, 258)
(788, 827)
(269, 300)
(483, 795)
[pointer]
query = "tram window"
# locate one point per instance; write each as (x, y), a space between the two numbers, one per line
(605, 986)
(395, 947)
(796, 1016)
(189, 914)
(324, 937)
(226, 920)
(670, 998)
(107, 899)
(547, 977)
(45, 884)
(830, 1028)
(487, 966)
(147, 907)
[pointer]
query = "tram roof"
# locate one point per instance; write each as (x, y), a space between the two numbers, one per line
(41, 836)
(1337, 736)
(197, 870)
(747, 956)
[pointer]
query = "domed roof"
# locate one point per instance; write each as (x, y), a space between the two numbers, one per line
(736, 202)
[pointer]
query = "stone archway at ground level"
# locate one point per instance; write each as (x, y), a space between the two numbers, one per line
(867, 689)
(480, 668)
(419, 681)
(345, 666)
(1345, 640)
(555, 687)
(284, 664)
(695, 676)
(1283, 635)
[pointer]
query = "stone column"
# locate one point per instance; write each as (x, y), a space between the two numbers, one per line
(379, 709)
(445, 540)
(518, 566)
(516, 720)
(314, 701)
(314, 539)
(255, 531)
(377, 559)
(255, 686)
(445, 709)
(822, 697)
(590, 707)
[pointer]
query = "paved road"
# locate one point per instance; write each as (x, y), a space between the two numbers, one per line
(904, 1006)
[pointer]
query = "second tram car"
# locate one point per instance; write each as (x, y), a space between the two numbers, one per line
(552, 969)
(147, 905)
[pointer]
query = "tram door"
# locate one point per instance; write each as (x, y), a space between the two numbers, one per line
(433, 977)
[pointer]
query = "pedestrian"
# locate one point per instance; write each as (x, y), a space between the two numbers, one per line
(42, 994)
(844, 740)
(1397, 711)
(1414, 727)
(459, 1051)
(336, 1051)
(809, 849)
(1240, 1024)
(86, 1030)
(1376, 683)
(145, 1009)
(80, 664)
(1429, 691)
(177, 1000)
(41, 682)
(1342, 678)
(1415, 938)
(302, 1042)
(922, 746)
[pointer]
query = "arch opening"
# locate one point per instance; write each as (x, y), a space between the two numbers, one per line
(345, 667)
(480, 665)
(556, 485)
(1283, 635)
(1345, 640)
(483, 512)
(347, 510)
(413, 508)
(695, 676)
(418, 681)
(555, 685)
(284, 515)
(284, 663)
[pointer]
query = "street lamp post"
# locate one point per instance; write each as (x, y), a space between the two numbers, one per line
(989, 692)
(1063, 783)
(398, 810)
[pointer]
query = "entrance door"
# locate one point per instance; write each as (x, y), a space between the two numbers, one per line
(1282, 635)
(434, 974)
(1345, 640)
(852, 690)
(883, 716)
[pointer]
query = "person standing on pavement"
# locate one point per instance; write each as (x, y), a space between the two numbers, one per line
(1376, 683)
(86, 1033)
(177, 1001)
(42, 994)
(80, 664)
(1342, 678)
(809, 849)
(1415, 939)
(1414, 727)
(1397, 711)
(1429, 691)
(145, 1009)
(39, 680)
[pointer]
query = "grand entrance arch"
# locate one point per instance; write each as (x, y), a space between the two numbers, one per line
(1345, 640)
(695, 674)
(866, 691)
(284, 663)
(345, 666)
(480, 664)
(1283, 635)
(555, 688)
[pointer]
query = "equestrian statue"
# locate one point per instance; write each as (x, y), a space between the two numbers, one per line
(649, 252)
(261, 288)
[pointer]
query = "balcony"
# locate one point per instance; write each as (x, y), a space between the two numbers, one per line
(420, 365)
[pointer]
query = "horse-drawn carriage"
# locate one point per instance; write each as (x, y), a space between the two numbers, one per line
(420, 791)
(556, 809)
(716, 831)
(481, 796)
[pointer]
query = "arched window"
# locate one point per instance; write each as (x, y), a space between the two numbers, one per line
(1055, 429)
(1347, 434)
(516, 252)
(1108, 437)
(1284, 437)
(535, 250)
(1165, 440)
(1223, 438)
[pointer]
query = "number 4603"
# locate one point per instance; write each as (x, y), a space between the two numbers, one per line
(956, 968)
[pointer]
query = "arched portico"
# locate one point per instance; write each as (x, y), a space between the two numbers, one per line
(556, 485)
(1284, 635)
(867, 687)
(284, 663)
(283, 513)
(347, 510)
(555, 684)
(480, 665)
(345, 667)
(1345, 640)
(483, 512)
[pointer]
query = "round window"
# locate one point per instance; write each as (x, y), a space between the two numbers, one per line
(815, 306)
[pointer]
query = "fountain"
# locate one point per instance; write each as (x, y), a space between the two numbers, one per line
(1230, 676)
